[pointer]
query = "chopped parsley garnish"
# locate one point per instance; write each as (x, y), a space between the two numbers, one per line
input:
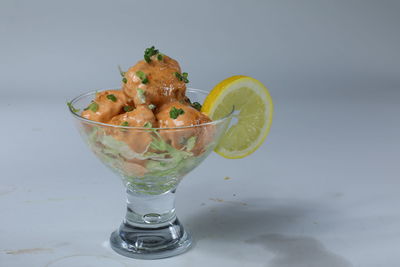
(182, 77)
(148, 125)
(149, 52)
(151, 106)
(160, 57)
(128, 108)
(175, 112)
(125, 123)
(93, 107)
(141, 96)
(73, 109)
(142, 76)
(112, 97)
(124, 80)
(196, 105)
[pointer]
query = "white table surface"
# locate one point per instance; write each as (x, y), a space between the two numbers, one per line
(323, 191)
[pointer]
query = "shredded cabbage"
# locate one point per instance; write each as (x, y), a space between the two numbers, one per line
(165, 164)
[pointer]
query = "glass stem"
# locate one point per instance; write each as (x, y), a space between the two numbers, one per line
(150, 229)
(150, 211)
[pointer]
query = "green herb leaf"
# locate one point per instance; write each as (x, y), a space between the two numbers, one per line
(160, 57)
(148, 125)
(196, 105)
(182, 77)
(124, 80)
(93, 107)
(73, 109)
(149, 52)
(112, 97)
(142, 76)
(125, 123)
(175, 112)
(128, 108)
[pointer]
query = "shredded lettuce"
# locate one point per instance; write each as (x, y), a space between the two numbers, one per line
(165, 164)
(114, 146)
(190, 143)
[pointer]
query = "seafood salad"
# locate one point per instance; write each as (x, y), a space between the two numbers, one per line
(148, 131)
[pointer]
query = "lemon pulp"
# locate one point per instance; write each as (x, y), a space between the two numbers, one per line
(253, 114)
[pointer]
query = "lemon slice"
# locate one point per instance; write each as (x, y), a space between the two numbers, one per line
(253, 108)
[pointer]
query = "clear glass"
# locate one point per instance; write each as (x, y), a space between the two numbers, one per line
(151, 163)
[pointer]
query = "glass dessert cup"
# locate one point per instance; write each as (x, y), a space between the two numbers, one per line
(151, 163)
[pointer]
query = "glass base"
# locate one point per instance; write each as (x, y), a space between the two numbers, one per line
(163, 241)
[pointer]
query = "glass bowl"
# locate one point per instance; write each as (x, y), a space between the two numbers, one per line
(151, 162)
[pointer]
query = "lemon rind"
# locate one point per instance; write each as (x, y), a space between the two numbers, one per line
(235, 83)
